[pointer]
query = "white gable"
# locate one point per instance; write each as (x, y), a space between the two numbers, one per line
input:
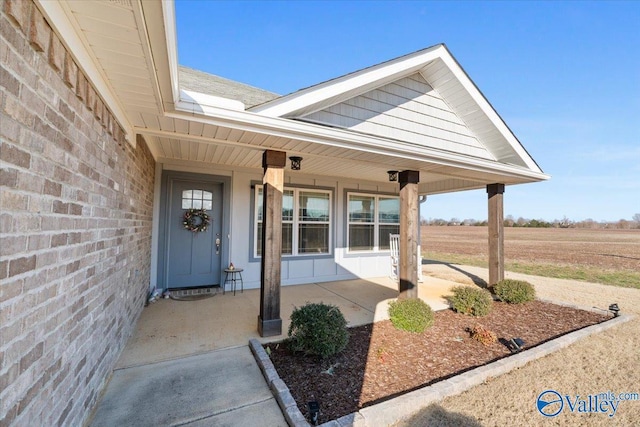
(409, 110)
(487, 136)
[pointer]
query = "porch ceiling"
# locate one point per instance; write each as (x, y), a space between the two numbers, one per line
(173, 139)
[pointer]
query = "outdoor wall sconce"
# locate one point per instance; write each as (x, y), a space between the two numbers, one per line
(295, 162)
(516, 344)
(614, 309)
(314, 411)
(393, 175)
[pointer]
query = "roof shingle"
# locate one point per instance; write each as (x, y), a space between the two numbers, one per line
(209, 84)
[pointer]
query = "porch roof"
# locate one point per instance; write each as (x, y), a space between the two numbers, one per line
(128, 51)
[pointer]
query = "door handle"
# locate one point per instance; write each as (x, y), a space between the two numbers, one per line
(217, 243)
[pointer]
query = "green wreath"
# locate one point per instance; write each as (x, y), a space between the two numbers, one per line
(196, 220)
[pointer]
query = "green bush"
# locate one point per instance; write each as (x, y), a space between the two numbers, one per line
(514, 291)
(470, 300)
(318, 330)
(413, 315)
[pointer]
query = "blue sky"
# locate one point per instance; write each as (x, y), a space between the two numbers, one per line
(565, 77)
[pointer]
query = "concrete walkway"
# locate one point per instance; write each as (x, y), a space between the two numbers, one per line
(219, 388)
(189, 364)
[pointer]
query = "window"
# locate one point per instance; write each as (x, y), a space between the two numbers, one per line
(306, 221)
(197, 199)
(370, 220)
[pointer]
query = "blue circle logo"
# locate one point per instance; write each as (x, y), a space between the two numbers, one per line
(549, 403)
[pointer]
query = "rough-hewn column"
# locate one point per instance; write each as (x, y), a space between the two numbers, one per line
(408, 262)
(496, 233)
(269, 321)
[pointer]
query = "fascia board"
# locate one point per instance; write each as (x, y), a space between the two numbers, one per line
(168, 13)
(156, 21)
(58, 17)
(364, 79)
(488, 110)
(151, 56)
(249, 121)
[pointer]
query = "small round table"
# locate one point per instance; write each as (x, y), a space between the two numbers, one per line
(231, 276)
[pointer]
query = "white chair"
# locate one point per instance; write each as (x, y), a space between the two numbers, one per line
(394, 257)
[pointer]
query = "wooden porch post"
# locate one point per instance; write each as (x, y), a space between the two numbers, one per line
(408, 268)
(496, 233)
(269, 321)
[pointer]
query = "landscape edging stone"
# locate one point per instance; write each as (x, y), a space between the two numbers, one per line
(278, 387)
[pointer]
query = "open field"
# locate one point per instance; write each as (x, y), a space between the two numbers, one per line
(609, 257)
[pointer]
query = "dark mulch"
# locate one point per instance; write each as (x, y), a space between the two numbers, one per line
(381, 362)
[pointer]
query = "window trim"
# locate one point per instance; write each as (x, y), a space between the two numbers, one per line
(296, 222)
(376, 221)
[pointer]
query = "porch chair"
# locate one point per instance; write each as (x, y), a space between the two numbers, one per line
(394, 257)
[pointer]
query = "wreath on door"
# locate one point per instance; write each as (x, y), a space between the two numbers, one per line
(196, 220)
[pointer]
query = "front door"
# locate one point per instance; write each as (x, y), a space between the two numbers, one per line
(192, 258)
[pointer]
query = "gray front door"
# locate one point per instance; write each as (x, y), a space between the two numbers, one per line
(192, 258)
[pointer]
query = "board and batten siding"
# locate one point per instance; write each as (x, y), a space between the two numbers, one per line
(408, 109)
(339, 265)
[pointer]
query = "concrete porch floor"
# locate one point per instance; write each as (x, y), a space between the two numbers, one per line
(188, 363)
(170, 329)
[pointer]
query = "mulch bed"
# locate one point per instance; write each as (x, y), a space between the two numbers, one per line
(381, 362)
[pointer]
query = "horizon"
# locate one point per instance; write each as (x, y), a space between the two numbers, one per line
(559, 74)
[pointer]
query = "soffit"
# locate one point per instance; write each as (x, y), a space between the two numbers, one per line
(113, 33)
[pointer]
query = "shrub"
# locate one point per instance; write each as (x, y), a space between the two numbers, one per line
(318, 330)
(470, 300)
(483, 335)
(412, 315)
(514, 291)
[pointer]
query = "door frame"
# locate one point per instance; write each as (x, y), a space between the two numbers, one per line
(165, 198)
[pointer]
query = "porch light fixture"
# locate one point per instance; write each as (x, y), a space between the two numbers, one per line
(614, 309)
(314, 411)
(295, 162)
(393, 175)
(517, 344)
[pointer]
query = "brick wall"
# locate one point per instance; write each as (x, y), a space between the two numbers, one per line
(75, 223)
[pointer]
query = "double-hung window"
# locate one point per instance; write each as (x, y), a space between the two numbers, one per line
(371, 218)
(306, 221)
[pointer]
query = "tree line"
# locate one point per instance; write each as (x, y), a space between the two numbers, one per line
(511, 221)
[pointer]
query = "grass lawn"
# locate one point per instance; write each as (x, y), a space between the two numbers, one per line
(622, 278)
